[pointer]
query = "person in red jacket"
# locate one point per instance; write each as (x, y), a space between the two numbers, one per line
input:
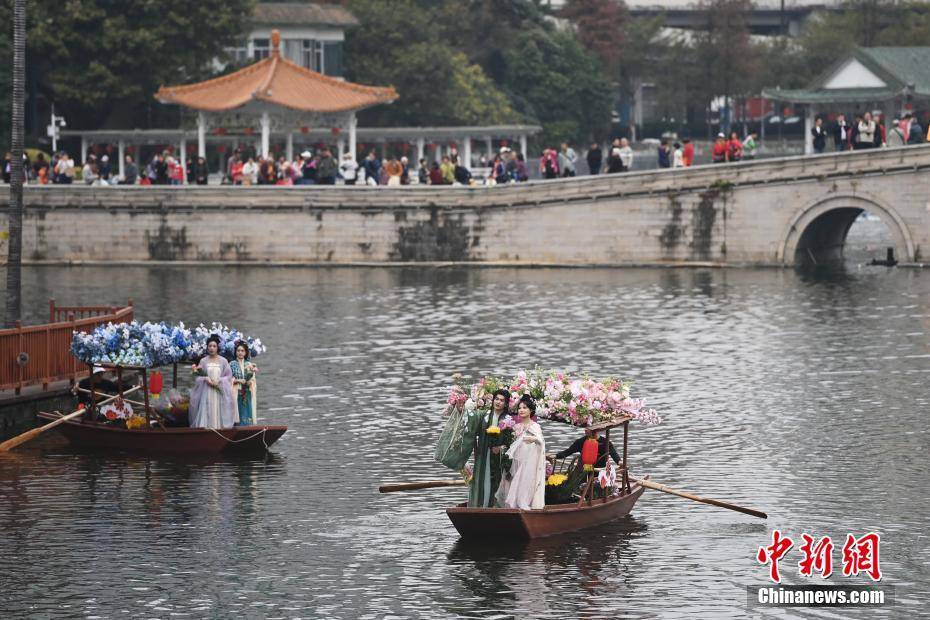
(719, 154)
(734, 148)
(687, 153)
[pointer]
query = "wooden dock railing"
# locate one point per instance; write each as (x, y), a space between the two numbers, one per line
(41, 354)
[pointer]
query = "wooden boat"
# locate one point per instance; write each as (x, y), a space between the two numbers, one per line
(90, 433)
(171, 440)
(527, 524)
(558, 518)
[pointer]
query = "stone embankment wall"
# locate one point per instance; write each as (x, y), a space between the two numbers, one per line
(748, 213)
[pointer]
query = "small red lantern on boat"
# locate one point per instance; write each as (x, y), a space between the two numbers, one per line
(589, 454)
(156, 383)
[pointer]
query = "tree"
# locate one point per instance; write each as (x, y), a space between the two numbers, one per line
(724, 54)
(15, 216)
(602, 26)
(101, 61)
(398, 43)
(552, 80)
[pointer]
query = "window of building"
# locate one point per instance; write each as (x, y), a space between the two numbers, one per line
(261, 48)
(312, 55)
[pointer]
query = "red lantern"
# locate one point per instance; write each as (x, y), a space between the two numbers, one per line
(221, 148)
(156, 383)
(249, 131)
(335, 131)
(589, 454)
(220, 131)
(305, 130)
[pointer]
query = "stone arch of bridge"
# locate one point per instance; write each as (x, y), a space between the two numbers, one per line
(819, 228)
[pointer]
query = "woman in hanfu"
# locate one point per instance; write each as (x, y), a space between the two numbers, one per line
(212, 403)
(488, 457)
(243, 373)
(526, 488)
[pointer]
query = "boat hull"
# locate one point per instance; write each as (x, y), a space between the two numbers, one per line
(237, 440)
(550, 521)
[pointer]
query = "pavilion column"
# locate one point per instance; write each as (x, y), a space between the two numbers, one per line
(353, 137)
(290, 146)
(421, 149)
(341, 147)
(122, 158)
(809, 115)
(184, 161)
(466, 152)
(201, 135)
(438, 152)
(83, 155)
(266, 133)
(489, 146)
(523, 144)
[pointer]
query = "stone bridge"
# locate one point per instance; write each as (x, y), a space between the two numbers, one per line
(767, 212)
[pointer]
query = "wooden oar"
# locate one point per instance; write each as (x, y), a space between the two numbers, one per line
(704, 500)
(9, 444)
(415, 486)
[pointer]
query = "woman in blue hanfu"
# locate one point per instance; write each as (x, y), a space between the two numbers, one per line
(526, 488)
(488, 454)
(212, 403)
(243, 373)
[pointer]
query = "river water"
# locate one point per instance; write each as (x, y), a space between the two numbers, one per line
(801, 394)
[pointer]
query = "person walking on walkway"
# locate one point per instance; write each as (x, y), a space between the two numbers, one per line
(567, 159)
(626, 154)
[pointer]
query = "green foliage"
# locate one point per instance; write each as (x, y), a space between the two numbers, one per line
(101, 61)
(553, 81)
(831, 35)
(476, 62)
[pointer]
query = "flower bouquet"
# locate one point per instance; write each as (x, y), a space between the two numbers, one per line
(576, 399)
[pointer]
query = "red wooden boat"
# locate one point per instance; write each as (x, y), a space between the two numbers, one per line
(171, 440)
(526, 524)
(156, 437)
(557, 518)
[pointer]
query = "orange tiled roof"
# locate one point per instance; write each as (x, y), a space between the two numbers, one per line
(279, 81)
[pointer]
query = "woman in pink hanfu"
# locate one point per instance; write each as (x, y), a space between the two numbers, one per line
(212, 402)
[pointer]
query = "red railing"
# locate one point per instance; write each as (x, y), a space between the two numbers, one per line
(41, 354)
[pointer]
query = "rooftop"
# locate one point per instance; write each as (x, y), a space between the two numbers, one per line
(276, 80)
(301, 14)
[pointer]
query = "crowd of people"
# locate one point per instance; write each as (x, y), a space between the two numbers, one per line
(866, 132)
(506, 166)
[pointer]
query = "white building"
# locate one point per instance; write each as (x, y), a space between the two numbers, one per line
(312, 35)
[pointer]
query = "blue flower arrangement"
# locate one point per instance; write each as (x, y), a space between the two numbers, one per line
(154, 344)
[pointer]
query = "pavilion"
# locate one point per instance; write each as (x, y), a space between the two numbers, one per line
(890, 79)
(281, 95)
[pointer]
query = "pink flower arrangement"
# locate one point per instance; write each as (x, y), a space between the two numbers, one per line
(578, 400)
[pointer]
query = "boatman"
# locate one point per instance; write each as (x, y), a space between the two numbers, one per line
(603, 447)
(103, 386)
(489, 454)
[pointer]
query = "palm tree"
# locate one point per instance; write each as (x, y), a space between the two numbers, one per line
(14, 261)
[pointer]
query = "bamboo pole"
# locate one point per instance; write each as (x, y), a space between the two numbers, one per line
(695, 498)
(415, 486)
(9, 444)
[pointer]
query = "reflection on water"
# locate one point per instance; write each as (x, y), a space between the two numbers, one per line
(801, 394)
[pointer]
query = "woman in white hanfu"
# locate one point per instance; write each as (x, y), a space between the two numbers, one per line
(212, 403)
(526, 487)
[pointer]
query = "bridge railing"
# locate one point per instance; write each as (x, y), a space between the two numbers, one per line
(41, 354)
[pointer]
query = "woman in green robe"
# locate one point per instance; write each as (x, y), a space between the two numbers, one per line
(243, 372)
(489, 454)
